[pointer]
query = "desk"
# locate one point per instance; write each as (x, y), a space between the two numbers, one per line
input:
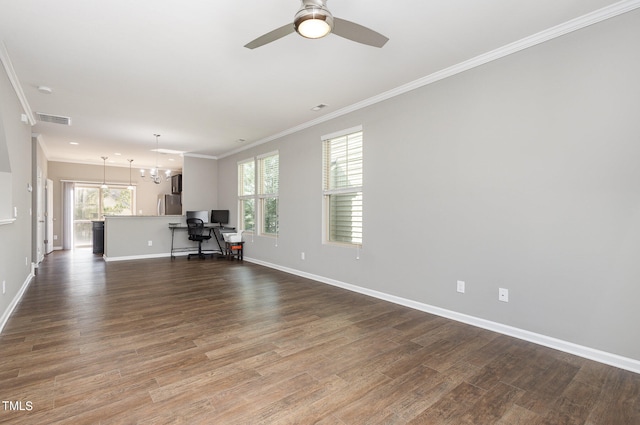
(217, 234)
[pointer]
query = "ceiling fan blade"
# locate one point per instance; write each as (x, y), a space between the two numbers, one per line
(271, 36)
(358, 33)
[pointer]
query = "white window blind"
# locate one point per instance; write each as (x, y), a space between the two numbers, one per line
(269, 175)
(246, 178)
(246, 195)
(342, 180)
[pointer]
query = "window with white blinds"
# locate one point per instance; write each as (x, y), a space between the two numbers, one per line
(258, 186)
(342, 181)
(269, 174)
(246, 195)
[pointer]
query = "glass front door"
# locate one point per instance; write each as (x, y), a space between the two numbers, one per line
(86, 208)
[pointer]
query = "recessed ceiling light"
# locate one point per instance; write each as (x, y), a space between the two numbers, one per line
(45, 89)
(240, 140)
(318, 107)
(117, 154)
(74, 143)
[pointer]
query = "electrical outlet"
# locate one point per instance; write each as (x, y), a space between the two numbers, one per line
(302, 255)
(55, 237)
(460, 287)
(503, 295)
(150, 243)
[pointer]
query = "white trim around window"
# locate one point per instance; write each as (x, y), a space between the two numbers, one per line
(268, 173)
(342, 164)
(246, 195)
(258, 198)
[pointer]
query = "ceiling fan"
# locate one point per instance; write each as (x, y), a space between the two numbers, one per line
(314, 20)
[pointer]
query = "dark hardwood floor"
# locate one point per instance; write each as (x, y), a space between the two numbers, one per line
(220, 342)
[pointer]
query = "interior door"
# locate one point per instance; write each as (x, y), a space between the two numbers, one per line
(48, 242)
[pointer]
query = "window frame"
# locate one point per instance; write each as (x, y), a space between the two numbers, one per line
(263, 195)
(259, 196)
(331, 191)
(244, 197)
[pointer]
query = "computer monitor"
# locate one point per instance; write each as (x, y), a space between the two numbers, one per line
(220, 216)
(202, 215)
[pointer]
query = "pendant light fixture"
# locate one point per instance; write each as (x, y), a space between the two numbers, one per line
(154, 173)
(104, 172)
(130, 187)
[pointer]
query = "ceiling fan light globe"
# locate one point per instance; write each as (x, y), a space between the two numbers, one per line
(313, 22)
(313, 28)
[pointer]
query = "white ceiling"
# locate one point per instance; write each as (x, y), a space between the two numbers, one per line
(125, 69)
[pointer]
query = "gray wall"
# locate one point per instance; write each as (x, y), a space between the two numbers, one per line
(15, 238)
(199, 184)
(523, 173)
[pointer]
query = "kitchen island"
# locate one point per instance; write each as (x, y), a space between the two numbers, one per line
(135, 236)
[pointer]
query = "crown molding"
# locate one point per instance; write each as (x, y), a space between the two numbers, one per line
(578, 23)
(15, 82)
(196, 155)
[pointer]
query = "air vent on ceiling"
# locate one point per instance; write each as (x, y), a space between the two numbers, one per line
(55, 119)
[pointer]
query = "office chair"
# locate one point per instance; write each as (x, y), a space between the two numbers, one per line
(195, 227)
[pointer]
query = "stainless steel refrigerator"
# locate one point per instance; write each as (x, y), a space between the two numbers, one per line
(169, 205)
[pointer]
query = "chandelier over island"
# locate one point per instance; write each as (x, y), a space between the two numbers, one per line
(154, 173)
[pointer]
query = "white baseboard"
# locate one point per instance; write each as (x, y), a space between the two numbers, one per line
(14, 303)
(547, 341)
(148, 256)
(141, 257)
